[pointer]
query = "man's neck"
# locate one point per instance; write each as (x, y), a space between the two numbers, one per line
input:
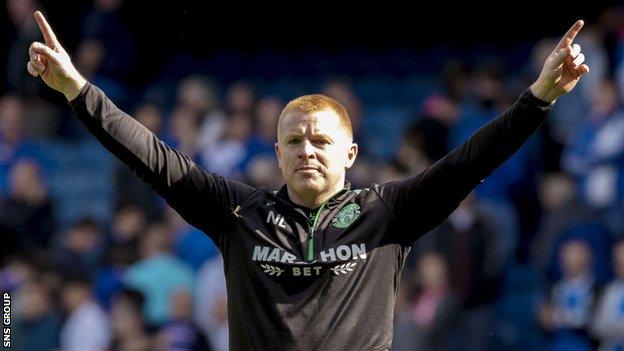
(313, 201)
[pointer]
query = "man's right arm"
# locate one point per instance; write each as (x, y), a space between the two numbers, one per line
(203, 199)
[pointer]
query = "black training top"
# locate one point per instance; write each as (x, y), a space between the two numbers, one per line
(323, 281)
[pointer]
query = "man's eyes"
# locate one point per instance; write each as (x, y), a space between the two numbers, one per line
(315, 141)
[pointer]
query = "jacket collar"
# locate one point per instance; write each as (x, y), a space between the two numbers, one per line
(336, 199)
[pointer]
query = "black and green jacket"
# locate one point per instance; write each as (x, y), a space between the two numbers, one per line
(301, 279)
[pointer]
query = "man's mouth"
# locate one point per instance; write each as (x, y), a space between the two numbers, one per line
(307, 169)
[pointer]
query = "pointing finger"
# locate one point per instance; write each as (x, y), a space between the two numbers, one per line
(48, 34)
(570, 35)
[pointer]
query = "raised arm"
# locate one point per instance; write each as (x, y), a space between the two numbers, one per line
(203, 199)
(421, 202)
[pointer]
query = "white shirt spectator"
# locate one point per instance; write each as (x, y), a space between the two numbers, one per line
(573, 299)
(211, 130)
(210, 295)
(608, 324)
(86, 329)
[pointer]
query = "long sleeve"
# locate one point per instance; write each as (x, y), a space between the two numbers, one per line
(420, 203)
(203, 199)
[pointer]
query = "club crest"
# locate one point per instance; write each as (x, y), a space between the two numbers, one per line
(346, 216)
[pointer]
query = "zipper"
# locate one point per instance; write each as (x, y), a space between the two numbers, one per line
(311, 220)
(311, 226)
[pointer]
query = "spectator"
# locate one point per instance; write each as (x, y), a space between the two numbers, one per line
(27, 215)
(198, 94)
(37, 322)
(469, 237)
(104, 23)
(228, 155)
(240, 99)
(567, 217)
(456, 76)
(568, 312)
(261, 143)
(13, 144)
(180, 333)
(158, 274)
(128, 328)
(17, 270)
(89, 57)
(560, 207)
(183, 131)
(211, 303)
(592, 154)
(81, 250)
(129, 223)
(431, 131)
(412, 153)
(595, 154)
(608, 322)
(429, 321)
(20, 14)
(87, 325)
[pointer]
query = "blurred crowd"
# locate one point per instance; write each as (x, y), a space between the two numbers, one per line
(533, 259)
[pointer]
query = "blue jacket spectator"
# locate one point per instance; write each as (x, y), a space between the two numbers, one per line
(158, 275)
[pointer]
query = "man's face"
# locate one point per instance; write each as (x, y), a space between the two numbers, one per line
(313, 151)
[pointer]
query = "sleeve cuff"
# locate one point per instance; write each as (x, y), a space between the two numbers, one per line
(530, 99)
(81, 95)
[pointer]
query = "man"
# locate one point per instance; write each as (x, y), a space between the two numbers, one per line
(315, 265)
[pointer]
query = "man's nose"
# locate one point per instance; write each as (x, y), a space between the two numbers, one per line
(306, 150)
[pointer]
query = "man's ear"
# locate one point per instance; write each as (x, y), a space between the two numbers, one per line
(278, 154)
(351, 155)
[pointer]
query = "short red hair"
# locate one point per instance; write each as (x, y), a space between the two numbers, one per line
(318, 102)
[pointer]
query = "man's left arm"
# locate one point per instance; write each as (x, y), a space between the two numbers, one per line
(430, 197)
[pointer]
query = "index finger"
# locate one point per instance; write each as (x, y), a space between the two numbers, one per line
(48, 34)
(570, 35)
